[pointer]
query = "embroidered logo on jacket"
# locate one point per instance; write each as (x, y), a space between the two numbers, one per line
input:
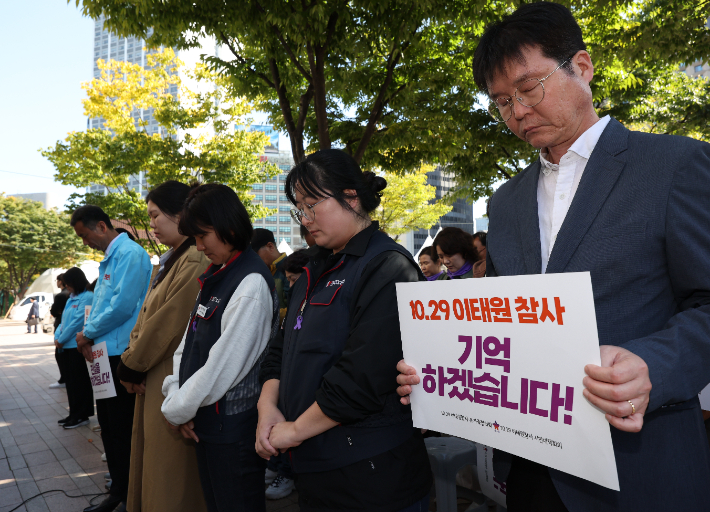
(335, 282)
(215, 299)
(107, 277)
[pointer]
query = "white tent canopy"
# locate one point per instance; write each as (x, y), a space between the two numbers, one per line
(47, 281)
(429, 241)
(284, 247)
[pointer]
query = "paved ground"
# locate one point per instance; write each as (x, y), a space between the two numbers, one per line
(37, 454)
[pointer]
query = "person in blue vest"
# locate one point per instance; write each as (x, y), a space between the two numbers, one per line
(328, 394)
(211, 396)
(79, 391)
(124, 275)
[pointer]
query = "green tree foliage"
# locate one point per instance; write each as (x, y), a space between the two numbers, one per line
(197, 140)
(390, 81)
(408, 203)
(32, 240)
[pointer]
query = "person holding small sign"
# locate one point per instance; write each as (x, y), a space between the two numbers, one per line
(124, 276)
(632, 209)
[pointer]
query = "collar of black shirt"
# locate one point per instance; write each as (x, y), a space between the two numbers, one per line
(356, 246)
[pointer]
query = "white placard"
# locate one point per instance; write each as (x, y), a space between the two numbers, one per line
(502, 362)
(100, 373)
(491, 487)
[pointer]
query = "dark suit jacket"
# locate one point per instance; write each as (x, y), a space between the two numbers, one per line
(640, 224)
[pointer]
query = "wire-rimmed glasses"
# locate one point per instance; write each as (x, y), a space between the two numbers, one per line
(299, 214)
(530, 93)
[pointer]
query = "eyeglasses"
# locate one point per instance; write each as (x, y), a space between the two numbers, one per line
(299, 214)
(530, 93)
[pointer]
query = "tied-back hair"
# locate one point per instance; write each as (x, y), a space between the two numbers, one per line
(170, 198)
(76, 280)
(545, 25)
(456, 241)
(216, 207)
(328, 173)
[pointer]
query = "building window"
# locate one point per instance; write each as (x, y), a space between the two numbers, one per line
(258, 186)
(283, 199)
(285, 218)
(284, 167)
(282, 187)
(271, 199)
(271, 187)
(283, 229)
(271, 218)
(699, 68)
(273, 230)
(258, 197)
(288, 239)
(284, 208)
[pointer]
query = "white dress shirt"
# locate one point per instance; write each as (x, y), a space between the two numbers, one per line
(558, 183)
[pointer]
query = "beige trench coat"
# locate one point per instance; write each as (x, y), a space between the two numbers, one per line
(164, 473)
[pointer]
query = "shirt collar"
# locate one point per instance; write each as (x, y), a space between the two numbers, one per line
(583, 146)
(357, 244)
(164, 257)
(110, 245)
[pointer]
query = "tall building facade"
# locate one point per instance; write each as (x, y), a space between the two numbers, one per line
(461, 215)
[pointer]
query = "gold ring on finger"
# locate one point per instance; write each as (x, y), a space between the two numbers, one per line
(633, 408)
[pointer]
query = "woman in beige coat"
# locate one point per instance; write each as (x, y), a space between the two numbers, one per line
(163, 475)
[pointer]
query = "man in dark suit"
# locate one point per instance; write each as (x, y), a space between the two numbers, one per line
(633, 209)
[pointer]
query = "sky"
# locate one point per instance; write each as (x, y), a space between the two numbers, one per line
(47, 52)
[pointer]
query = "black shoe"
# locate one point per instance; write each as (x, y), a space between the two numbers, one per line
(108, 505)
(64, 420)
(76, 422)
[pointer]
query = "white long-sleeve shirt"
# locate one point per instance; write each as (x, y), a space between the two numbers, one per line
(246, 328)
(558, 184)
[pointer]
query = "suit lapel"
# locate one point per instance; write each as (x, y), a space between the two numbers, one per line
(528, 220)
(598, 180)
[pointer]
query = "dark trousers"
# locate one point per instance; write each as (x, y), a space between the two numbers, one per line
(281, 464)
(116, 419)
(232, 475)
(530, 488)
(57, 357)
(79, 392)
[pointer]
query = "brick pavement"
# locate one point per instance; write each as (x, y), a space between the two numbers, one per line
(36, 454)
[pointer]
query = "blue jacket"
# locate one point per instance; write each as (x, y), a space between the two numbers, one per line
(73, 319)
(639, 224)
(124, 276)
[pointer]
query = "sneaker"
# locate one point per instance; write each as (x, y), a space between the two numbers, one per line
(107, 476)
(270, 476)
(64, 420)
(57, 385)
(103, 457)
(78, 422)
(96, 428)
(280, 488)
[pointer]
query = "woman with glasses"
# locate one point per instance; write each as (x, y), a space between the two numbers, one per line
(328, 396)
(211, 395)
(456, 251)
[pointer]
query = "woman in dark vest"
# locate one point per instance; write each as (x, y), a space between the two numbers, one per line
(211, 396)
(456, 251)
(328, 392)
(431, 265)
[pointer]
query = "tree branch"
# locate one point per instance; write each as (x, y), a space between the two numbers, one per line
(242, 60)
(295, 135)
(513, 160)
(502, 171)
(286, 46)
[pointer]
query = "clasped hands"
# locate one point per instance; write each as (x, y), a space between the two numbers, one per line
(274, 434)
(622, 378)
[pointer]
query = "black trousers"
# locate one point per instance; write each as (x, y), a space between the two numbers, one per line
(530, 488)
(79, 392)
(58, 358)
(115, 416)
(232, 475)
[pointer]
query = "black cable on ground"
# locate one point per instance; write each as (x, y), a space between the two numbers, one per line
(95, 495)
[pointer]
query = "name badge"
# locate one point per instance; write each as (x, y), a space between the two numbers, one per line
(201, 310)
